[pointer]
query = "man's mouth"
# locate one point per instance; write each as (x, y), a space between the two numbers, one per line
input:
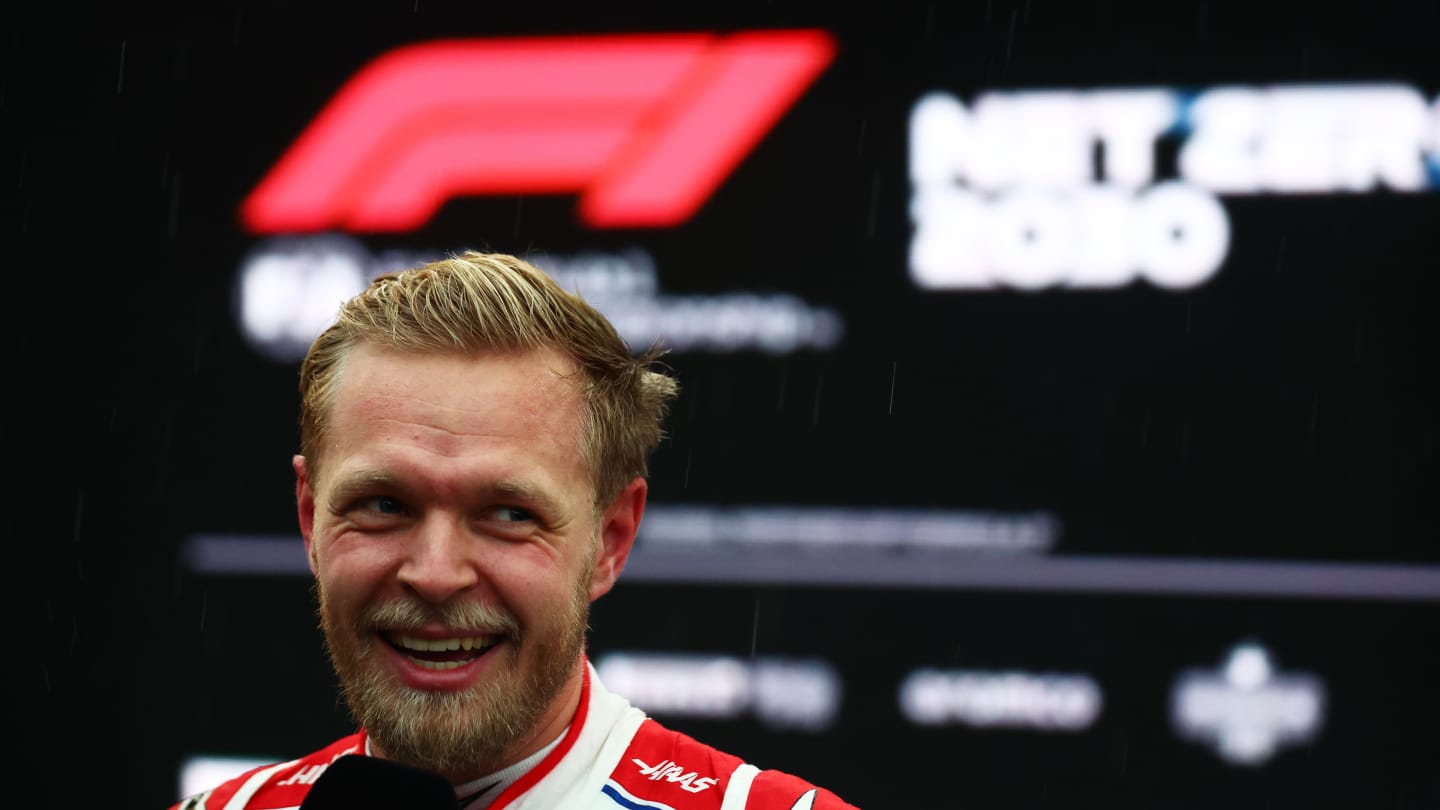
(442, 653)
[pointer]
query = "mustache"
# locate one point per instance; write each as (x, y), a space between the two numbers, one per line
(410, 614)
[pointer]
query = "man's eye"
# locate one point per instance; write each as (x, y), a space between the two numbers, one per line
(513, 514)
(384, 504)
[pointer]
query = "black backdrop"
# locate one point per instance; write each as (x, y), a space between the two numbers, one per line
(1280, 412)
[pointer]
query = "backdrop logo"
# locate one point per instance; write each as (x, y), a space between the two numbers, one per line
(643, 127)
(1043, 189)
(1247, 710)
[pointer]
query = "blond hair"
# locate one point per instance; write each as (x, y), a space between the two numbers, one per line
(494, 302)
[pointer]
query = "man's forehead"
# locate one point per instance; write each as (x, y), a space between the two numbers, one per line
(381, 382)
(446, 400)
(538, 388)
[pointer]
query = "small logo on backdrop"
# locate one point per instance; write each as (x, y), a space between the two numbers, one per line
(1247, 710)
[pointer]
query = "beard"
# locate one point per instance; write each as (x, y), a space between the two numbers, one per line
(472, 731)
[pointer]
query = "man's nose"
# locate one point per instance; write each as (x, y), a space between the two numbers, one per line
(439, 561)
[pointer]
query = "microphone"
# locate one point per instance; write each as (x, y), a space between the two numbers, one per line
(358, 782)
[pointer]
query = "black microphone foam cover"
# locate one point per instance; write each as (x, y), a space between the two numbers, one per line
(356, 782)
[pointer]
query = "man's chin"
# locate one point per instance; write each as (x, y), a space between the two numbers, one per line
(450, 732)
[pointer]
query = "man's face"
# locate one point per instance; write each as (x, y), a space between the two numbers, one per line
(456, 549)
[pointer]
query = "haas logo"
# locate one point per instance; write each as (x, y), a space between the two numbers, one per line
(671, 772)
(643, 127)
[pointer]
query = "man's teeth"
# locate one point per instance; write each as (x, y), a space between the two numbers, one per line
(444, 644)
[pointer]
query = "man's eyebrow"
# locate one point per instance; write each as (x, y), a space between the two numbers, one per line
(363, 481)
(525, 492)
(522, 491)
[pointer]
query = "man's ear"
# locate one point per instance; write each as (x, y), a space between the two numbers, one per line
(618, 525)
(305, 507)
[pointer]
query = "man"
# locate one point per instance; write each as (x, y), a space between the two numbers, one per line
(472, 473)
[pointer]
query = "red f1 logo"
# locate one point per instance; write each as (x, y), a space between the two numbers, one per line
(644, 127)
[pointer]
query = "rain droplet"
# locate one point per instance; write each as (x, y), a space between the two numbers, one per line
(819, 388)
(755, 628)
(894, 370)
(120, 79)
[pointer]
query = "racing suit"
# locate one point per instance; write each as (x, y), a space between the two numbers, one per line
(612, 757)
